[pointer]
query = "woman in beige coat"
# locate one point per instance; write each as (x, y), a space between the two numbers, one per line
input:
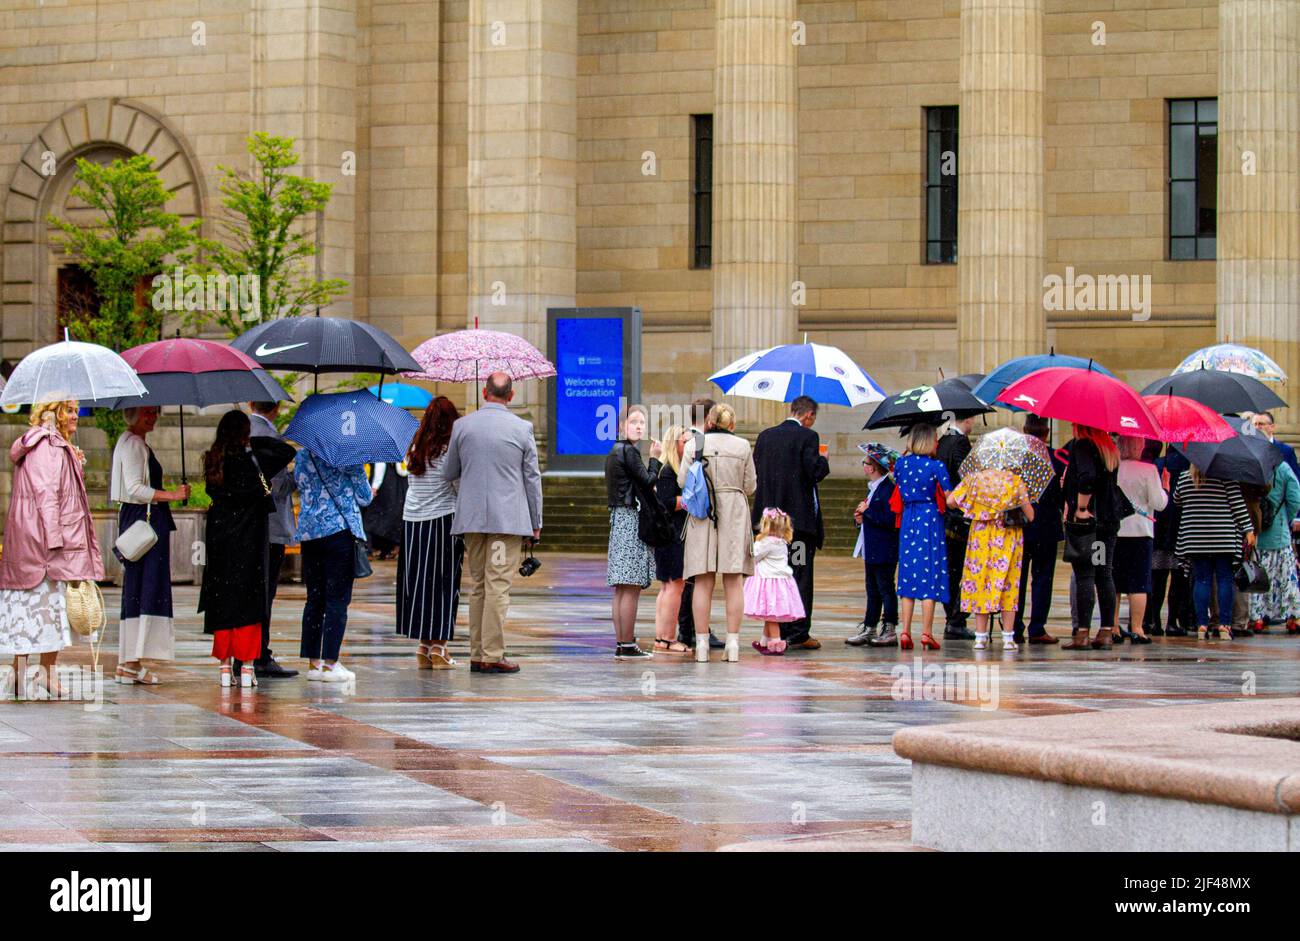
(727, 548)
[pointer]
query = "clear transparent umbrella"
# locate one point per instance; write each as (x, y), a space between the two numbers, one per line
(71, 370)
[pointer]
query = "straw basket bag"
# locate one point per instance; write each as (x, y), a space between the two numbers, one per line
(85, 605)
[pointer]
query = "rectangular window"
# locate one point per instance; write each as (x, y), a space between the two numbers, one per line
(1193, 177)
(702, 192)
(941, 185)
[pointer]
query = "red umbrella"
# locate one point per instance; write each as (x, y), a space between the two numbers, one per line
(1086, 397)
(186, 354)
(1185, 419)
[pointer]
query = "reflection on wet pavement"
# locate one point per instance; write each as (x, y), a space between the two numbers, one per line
(576, 752)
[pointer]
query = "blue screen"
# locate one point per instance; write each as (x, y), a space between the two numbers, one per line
(588, 383)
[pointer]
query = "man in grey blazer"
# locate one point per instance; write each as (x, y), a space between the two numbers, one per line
(280, 529)
(499, 504)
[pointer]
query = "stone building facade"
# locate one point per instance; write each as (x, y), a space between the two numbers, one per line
(512, 155)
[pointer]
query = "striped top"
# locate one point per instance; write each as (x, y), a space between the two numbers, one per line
(1214, 516)
(429, 496)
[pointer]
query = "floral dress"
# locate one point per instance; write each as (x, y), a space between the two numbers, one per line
(922, 558)
(990, 579)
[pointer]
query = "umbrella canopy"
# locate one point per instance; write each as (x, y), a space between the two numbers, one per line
(1186, 419)
(402, 395)
(783, 373)
(932, 404)
(1012, 450)
(970, 380)
(471, 355)
(1226, 392)
(1233, 357)
(324, 344)
(1246, 458)
(350, 428)
(1084, 396)
(71, 370)
(189, 371)
(1006, 373)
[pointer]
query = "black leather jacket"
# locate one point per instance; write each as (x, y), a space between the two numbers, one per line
(623, 469)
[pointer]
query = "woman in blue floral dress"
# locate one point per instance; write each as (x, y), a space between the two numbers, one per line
(922, 560)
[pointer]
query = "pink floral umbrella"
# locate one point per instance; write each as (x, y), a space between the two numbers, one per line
(470, 355)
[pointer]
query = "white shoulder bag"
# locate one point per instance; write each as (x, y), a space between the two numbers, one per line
(138, 538)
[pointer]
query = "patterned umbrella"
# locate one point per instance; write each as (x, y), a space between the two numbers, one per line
(470, 355)
(1233, 357)
(783, 373)
(350, 428)
(1012, 450)
(934, 404)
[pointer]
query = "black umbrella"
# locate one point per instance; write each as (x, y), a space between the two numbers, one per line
(1227, 392)
(205, 388)
(970, 380)
(932, 404)
(324, 344)
(1246, 458)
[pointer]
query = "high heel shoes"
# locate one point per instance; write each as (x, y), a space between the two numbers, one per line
(928, 642)
(904, 640)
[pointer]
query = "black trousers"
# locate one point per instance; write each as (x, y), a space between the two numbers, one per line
(882, 597)
(804, 550)
(274, 560)
(1095, 582)
(954, 616)
(1180, 600)
(327, 567)
(685, 617)
(1040, 565)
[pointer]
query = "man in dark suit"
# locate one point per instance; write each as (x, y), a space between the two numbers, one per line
(700, 409)
(789, 465)
(954, 445)
(1264, 422)
(280, 530)
(1042, 537)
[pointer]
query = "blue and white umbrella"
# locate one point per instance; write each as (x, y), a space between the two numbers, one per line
(346, 429)
(783, 373)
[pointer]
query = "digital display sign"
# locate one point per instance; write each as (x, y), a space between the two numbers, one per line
(588, 383)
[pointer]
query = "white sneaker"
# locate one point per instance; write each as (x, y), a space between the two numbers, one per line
(315, 673)
(334, 674)
(338, 665)
(732, 650)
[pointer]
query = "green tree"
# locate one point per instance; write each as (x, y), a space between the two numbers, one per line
(263, 233)
(135, 239)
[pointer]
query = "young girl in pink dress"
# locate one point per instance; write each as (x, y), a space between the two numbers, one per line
(771, 594)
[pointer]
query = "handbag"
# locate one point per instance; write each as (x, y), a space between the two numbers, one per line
(360, 557)
(1249, 576)
(137, 539)
(1079, 540)
(85, 606)
(1015, 518)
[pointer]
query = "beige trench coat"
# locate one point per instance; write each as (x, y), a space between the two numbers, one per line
(728, 549)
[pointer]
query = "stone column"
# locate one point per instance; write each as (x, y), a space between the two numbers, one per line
(755, 226)
(522, 152)
(1258, 273)
(1000, 228)
(304, 86)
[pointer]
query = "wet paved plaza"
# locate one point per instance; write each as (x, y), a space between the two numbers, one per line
(576, 752)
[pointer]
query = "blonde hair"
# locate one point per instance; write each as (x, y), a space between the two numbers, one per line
(1131, 448)
(670, 455)
(1105, 444)
(923, 440)
(775, 522)
(63, 411)
(1198, 477)
(722, 416)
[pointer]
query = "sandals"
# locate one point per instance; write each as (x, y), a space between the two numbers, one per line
(439, 659)
(225, 676)
(142, 676)
(673, 648)
(247, 678)
(422, 661)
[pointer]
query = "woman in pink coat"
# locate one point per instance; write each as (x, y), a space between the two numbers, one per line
(49, 540)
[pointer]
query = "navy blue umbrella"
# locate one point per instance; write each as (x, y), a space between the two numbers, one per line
(991, 386)
(350, 428)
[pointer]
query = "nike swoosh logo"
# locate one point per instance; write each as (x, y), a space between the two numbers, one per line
(265, 350)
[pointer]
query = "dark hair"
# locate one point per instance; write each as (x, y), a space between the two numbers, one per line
(1268, 415)
(700, 409)
(232, 436)
(1037, 426)
(803, 405)
(263, 408)
(501, 391)
(431, 438)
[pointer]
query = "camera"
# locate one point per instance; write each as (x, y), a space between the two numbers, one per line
(530, 564)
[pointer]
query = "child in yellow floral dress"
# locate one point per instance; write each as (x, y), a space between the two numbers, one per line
(990, 580)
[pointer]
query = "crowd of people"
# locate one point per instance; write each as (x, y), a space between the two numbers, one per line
(1132, 522)
(705, 507)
